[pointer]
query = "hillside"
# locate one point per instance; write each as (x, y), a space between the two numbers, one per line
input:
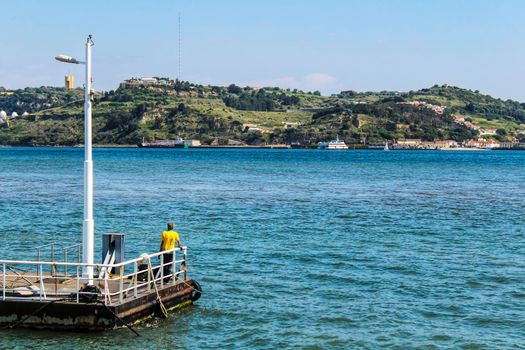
(167, 109)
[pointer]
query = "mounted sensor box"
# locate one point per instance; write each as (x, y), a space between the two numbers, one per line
(113, 249)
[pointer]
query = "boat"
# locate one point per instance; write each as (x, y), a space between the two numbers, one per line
(322, 145)
(333, 145)
(177, 143)
(386, 146)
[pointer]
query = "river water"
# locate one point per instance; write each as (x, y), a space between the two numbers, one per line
(295, 249)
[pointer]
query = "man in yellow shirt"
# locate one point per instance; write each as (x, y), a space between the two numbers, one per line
(168, 239)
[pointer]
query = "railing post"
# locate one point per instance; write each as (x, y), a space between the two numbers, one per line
(41, 281)
(149, 274)
(136, 279)
(53, 259)
(185, 264)
(161, 271)
(174, 267)
(65, 260)
(37, 257)
(3, 281)
(106, 291)
(77, 286)
(55, 278)
(121, 284)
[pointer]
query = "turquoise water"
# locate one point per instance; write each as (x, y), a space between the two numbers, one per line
(295, 249)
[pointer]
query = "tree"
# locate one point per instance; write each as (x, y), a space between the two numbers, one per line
(470, 107)
(139, 111)
(234, 89)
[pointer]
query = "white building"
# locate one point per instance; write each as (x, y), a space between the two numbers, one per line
(3, 118)
(193, 143)
(487, 131)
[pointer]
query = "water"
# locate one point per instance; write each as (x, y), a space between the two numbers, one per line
(295, 249)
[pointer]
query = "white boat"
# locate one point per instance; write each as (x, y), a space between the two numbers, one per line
(386, 146)
(177, 143)
(322, 145)
(332, 145)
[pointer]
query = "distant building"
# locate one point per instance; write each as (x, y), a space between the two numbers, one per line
(491, 144)
(149, 81)
(376, 145)
(348, 93)
(291, 125)
(407, 144)
(193, 143)
(487, 131)
(69, 81)
(437, 109)
(459, 119)
(445, 144)
(509, 145)
(3, 118)
(232, 142)
(442, 144)
(471, 126)
(472, 144)
(254, 128)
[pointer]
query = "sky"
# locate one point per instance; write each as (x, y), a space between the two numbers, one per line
(325, 45)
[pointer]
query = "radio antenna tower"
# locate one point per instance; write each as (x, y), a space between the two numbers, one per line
(180, 44)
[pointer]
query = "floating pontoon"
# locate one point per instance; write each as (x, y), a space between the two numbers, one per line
(52, 294)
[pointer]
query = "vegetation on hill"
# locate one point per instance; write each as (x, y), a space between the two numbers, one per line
(254, 115)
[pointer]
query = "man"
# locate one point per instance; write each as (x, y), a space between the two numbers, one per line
(168, 242)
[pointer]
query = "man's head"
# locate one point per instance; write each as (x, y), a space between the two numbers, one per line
(170, 225)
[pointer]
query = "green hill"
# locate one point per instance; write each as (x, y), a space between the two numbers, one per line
(169, 109)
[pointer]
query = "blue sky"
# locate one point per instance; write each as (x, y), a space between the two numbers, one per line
(324, 45)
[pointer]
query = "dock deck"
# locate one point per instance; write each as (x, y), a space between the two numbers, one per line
(36, 294)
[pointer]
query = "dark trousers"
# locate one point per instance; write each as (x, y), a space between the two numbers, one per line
(168, 259)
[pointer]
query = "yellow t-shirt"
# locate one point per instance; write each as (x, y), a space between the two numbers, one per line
(168, 240)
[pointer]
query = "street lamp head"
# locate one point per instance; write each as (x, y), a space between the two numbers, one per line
(67, 59)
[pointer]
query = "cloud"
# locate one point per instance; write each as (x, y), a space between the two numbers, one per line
(310, 82)
(319, 79)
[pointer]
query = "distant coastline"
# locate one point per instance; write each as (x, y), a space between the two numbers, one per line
(161, 110)
(270, 147)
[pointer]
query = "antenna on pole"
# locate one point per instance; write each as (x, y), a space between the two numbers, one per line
(180, 41)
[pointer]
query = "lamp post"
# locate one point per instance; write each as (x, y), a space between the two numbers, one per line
(88, 227)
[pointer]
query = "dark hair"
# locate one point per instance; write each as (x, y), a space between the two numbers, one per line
(170, 225)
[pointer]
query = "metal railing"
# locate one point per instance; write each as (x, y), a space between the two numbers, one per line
(136, 276)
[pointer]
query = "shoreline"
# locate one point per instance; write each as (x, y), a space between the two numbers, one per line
(269, 147)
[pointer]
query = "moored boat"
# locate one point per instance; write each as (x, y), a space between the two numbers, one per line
(333, 145)
(177, 143)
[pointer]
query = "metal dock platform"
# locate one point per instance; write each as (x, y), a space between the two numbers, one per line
(54, 295)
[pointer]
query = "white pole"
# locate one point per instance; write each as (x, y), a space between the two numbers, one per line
(89, 224)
